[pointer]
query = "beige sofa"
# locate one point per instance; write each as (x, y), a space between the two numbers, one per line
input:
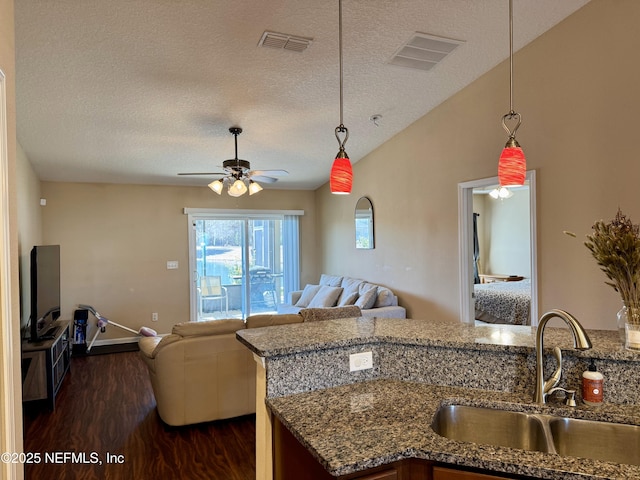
(201, 372)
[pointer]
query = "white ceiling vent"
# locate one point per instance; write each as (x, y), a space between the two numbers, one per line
(424, 51)
(284, 41)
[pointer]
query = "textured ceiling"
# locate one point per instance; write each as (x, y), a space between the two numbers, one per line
(135, 91)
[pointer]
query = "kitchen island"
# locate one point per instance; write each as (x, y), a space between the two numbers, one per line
(351, 422)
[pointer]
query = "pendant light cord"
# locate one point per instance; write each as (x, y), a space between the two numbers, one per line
(341, 129)
(340, 46)
(511, 112)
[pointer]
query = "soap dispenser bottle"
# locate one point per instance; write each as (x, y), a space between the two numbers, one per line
(592, 386)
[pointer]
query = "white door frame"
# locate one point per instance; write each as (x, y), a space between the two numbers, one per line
(10, 386)
(465, 245)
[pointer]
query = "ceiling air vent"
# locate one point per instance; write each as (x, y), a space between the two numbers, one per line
(284, 41)
(424, 51)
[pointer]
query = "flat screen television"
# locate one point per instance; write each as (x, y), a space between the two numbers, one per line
(45, 291)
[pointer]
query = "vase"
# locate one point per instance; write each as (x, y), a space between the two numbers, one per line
(629, 332)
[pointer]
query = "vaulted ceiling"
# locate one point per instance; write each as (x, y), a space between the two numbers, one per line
(136, 91)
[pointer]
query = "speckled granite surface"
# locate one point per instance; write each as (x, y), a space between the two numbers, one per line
(356, 420)
(301, 337)
(363, 425)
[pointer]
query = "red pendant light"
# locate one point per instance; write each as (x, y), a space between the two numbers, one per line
(341, 177)
(512, 166)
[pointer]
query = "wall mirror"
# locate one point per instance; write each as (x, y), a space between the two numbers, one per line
(498, 253)
(364, 224)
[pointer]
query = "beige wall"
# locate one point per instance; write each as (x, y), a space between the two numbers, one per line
(115, 241)
(578, 93)
(29, 226)
(503, 233)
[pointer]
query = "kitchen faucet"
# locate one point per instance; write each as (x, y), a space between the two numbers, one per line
(581, 341)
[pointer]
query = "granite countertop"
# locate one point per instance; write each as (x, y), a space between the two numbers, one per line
(354, 427)
(372, 421)
(302, 337)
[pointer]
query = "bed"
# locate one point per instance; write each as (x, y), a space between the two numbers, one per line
(503, 302)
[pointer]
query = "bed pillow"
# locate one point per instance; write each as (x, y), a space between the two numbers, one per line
(326, 297)
(307, 295)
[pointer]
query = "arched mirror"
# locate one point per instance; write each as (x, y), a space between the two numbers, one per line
(364, 224)
(498, 266)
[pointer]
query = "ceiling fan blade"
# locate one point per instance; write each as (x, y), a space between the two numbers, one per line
(275, 173)
(203, 173)
(263, 179)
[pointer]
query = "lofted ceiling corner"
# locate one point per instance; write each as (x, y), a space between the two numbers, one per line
(138, 91)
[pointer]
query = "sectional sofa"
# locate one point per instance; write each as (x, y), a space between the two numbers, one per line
(334, 290)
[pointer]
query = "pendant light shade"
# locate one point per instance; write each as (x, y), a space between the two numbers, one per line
(512, 166)
(254, 187)
(237, 189)
(341, 177)
(216, 186)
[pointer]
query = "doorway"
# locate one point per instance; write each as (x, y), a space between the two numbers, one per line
(240, 264)
(468, 255)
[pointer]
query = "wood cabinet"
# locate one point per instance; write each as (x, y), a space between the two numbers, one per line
(44, 365)
(451, 473)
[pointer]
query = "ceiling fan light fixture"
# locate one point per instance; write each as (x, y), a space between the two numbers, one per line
(254, 187)
(216, 186)
(238, 188)
(500, 193)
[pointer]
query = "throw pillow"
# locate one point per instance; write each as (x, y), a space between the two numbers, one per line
(385, 297)
(307, 295)
(346, 300)
(330, 280)
(326, 297)
(368, 295)
(350, 291)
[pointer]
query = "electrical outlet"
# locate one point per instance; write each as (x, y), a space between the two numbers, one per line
(154, 317)
(360, 361)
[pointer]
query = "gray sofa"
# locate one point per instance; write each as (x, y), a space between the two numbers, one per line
(338, 291)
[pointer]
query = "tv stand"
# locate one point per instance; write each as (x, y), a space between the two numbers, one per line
(45, 363)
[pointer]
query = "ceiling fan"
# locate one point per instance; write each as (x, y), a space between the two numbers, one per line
(238, 176)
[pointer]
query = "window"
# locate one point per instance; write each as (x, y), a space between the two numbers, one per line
(242, 263)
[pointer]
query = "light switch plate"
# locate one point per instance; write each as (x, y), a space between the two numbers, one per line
(172, 265)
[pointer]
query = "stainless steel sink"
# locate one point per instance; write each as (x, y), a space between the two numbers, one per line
(491, 427)
(611, 442)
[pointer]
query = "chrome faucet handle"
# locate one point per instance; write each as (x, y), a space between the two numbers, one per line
(569, 395)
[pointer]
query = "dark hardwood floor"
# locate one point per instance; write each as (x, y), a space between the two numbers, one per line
(106, 407)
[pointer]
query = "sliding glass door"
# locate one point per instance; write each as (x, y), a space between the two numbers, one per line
(239, 265)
